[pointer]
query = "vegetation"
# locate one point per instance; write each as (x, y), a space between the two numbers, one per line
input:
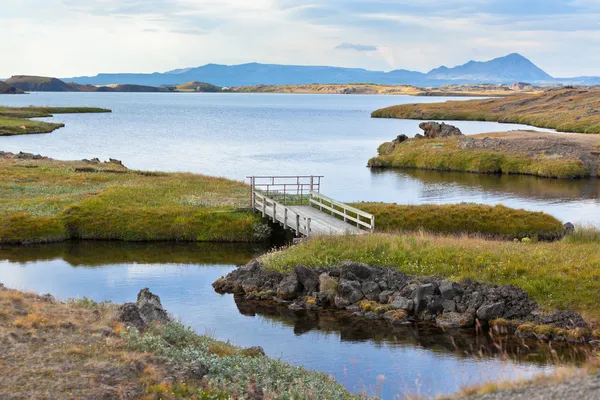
(47, 200)
(497, 222)
(15, 121)
(567, 110)
(446, 155)
(559, 275)
(39, 83)
(62, 347)
(5, 88)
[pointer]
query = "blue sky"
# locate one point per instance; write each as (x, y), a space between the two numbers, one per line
(84, 37)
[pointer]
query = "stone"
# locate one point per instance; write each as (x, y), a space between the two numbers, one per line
(434, 130)
(350, 290)
(372, 315)
(384, 297)
(400, 139)
(421, 296)
(402, 303)
(129, 314)
(250, 285)
(196, 371)
(435, 305)
(288, 287)
(569, 228)
(488, 312)
(454, 320)
(360, 270)
(371, 290)
(150, 307)
(308, 278)
(254, 351)
(449, 305)
(448, 290)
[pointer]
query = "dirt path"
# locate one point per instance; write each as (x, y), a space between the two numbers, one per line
(584, 147)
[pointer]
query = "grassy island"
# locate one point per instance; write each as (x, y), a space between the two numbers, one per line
(16, 121)
(558, 275)
(79, 349)
(45, 200)
(566, 110)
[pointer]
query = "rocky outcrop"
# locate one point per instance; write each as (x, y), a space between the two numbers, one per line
(147, 310)
(383, 293)
(436, 130)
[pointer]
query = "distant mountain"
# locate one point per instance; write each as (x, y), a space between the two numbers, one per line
(5, 88)
(511, 68)
(39, 84)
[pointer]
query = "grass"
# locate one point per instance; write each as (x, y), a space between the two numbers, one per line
(16, 120)
(566, 110)
(49, 200)
(446, 155)
(584, 234)
(490, 221)
(558, 275)
(51, 346)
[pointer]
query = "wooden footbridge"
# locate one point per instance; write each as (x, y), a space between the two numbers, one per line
(296, 203)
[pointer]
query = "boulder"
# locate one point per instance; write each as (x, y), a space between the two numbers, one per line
(400, 139)
(288, 287)
(435, 305)
(351, 291)
(371, 290)
(449, 305)
(434, 130)
(384, 297)
(359, 270)
(448, 290)
(421, 296)
(308, 278)
(402, 303)
(569, 228)
(491, 311)
(129, 314)
(150, 308)
(455, 320)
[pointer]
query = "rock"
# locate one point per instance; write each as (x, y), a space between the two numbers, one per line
(151, 310)
(47, 298)
(488, 312)
(399, 139)
(434, 130)
(569, 228)
(421, 297)
(250, 285)
(559, 319)
(350, 290)
(419, 136)
(371, 290)
(455, 320)
(129, 314)
(254, 351)
(372, 315)
(435, 305)
(288, 287)
(402, 303)
(196, 371)
(448, 290)
(360, 270)
(308, 278)
(384, 297)
(449, 305)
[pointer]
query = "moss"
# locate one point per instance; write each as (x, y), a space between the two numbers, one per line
(395, 315)
(565, 110)
(492, 221)
(526, 328)
(367, 305)
(382, 309)
(445, 155)
(543, 330)
(310, 301)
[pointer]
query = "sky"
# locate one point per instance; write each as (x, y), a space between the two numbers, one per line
(66, 38)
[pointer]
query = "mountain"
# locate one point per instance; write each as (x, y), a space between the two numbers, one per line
(39, 84)
(511, 68)
(5, 88)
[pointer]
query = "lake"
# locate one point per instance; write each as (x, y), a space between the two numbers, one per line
(236, 135)
(393, 362)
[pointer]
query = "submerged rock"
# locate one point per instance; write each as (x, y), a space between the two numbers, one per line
(454, 320)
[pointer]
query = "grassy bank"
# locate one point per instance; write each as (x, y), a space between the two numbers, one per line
(447, 155)
(567, 110)
(497, 222)
(16, 120)
(77, 350)
(558, 275)
(47, 200)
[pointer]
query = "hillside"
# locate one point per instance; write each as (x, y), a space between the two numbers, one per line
(39, 84)
(566, 110)
(198, 87)
(508, 69)
(5, 88)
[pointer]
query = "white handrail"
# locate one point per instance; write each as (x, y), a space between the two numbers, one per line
(318, 199)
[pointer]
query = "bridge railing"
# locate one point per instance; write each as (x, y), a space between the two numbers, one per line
(343, 211)
(281, 213)
(287, 190)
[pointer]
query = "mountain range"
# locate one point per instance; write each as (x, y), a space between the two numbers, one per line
(508, 69)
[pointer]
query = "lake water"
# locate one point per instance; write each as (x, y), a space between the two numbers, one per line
(392, 362)
(235, 135)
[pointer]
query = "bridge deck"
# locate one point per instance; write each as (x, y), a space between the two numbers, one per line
(325, 224)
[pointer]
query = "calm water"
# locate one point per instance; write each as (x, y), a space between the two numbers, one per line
(236, 135)
(392, 362)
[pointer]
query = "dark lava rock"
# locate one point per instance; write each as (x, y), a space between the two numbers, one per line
(569, 228)
(448, 290)
(254, 351)
(308, 278)
(400, 139)
(350, 290)
(288, 287)
(129, 313)
(146, 310)
(489, 312)
(455, 320)
(434, 130)
(371, 290)
(359, 270)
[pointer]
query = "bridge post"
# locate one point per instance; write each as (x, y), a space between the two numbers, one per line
(264, 208)
(372, 224)
(307, 227)
(285, 212)
(252, 196)
(274, 212)
(298, 224)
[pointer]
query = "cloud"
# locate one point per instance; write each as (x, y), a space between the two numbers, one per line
(356, 47)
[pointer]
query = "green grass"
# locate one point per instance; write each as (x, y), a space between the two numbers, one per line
(15, 120)
(497, 222)
(445, 155)
(584, 234)
(567, 110)
(48, 200)
(558, 275)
